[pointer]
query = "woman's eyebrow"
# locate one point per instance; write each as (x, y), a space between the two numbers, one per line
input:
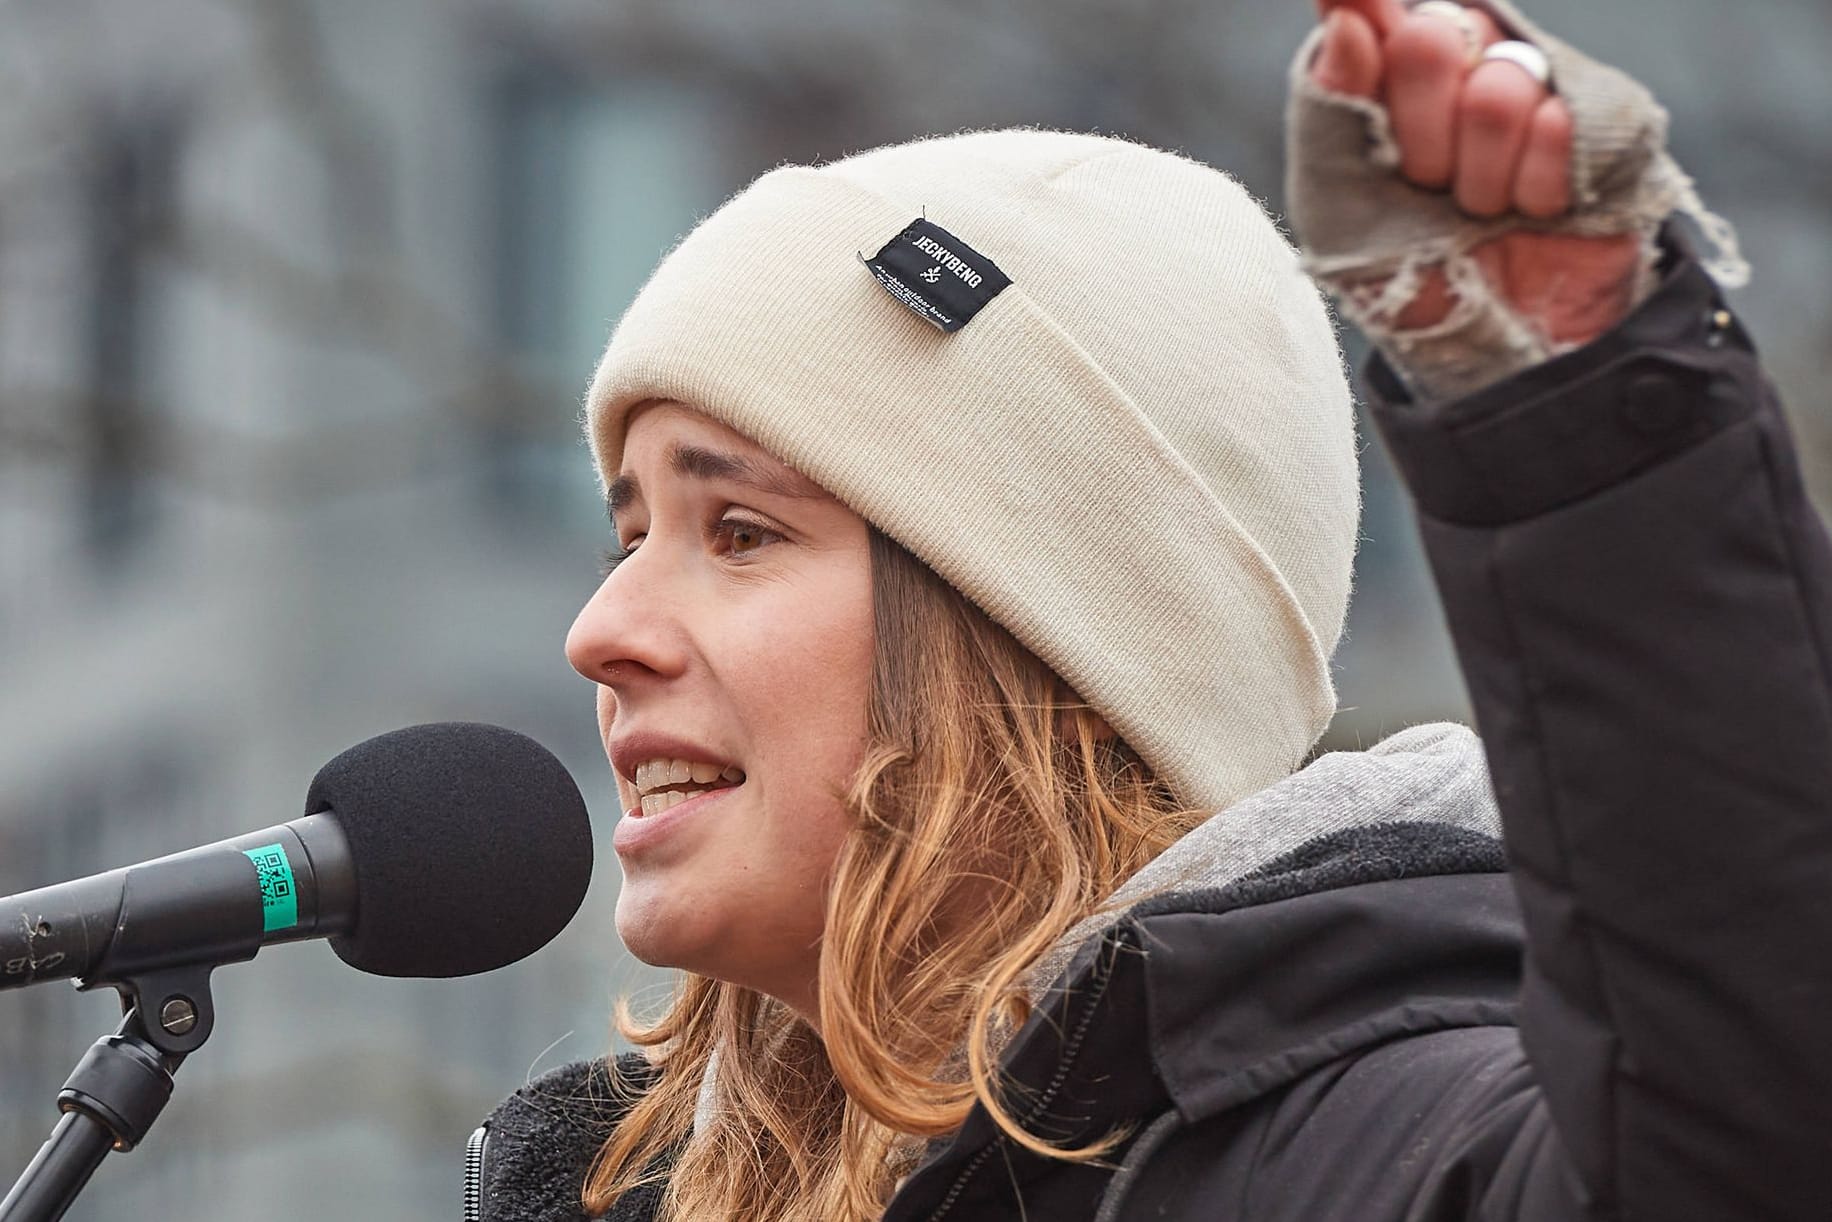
(697, 462)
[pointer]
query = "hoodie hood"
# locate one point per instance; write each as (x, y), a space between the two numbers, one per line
(1432, 773)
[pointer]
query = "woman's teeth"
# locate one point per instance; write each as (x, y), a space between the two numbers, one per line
(665, 783)
(656, 803)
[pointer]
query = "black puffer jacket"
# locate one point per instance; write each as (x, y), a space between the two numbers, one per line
(1641, 598)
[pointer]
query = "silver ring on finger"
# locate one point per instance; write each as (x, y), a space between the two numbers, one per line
(1530, 58)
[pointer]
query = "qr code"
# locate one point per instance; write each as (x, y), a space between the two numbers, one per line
(276, 879)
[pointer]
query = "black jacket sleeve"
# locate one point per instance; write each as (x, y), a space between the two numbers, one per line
(1641, 600)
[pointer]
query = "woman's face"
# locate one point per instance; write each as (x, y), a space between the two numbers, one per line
(735, 638)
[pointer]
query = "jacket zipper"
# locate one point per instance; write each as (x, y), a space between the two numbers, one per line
(473, 1173)
(1071, 1049)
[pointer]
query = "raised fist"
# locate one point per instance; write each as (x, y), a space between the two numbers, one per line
(1473, 218)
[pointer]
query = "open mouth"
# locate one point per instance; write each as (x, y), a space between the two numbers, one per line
(665, 783)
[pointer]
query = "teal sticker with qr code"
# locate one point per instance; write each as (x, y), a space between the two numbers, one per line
(279, 893)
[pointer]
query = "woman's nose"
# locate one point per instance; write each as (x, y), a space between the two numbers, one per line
(617, 633)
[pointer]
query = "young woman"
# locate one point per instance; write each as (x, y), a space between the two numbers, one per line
(985, 509)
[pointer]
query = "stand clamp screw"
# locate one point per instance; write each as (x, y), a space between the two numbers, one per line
(178, 1015)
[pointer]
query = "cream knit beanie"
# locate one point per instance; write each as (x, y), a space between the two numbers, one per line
(1083, 380)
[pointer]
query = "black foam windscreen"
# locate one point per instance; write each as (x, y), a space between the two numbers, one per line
(471, 846)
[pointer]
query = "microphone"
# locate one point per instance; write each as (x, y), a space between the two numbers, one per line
(437, 850)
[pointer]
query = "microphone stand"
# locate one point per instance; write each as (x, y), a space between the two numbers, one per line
(116, 1091)
(122, 1083)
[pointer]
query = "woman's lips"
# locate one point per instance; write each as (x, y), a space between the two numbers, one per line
(637, 831)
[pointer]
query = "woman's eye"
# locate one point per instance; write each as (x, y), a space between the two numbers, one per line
(742, 537)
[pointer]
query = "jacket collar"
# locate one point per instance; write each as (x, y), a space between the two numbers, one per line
(1202, 1001)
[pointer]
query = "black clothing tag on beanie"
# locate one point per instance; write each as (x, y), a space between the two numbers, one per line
(937, 275)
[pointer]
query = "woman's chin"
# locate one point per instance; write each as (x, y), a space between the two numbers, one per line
(656, 932)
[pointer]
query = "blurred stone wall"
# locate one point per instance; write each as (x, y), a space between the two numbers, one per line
(296, 302)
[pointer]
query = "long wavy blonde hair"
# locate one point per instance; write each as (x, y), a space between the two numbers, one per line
(991, 814)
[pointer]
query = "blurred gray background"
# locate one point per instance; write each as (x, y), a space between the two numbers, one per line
(297, 300)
